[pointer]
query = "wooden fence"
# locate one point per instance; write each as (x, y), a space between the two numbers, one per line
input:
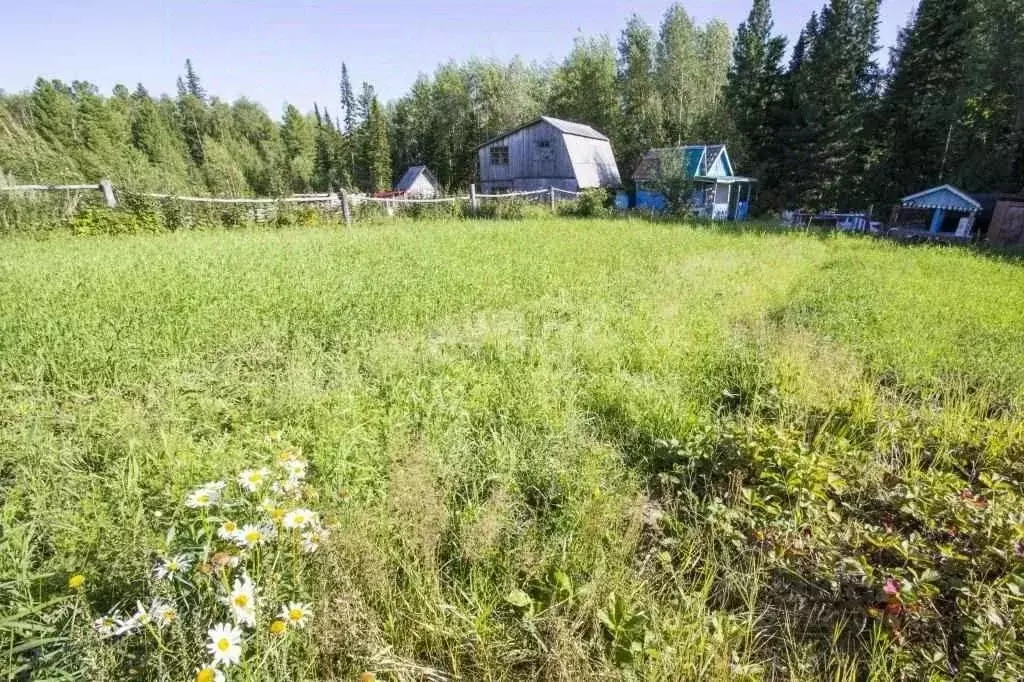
(330, 201)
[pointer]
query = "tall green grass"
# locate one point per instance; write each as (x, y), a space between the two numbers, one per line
(547, 449)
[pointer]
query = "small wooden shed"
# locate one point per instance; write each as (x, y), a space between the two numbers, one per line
(1007, 225)
(547, 152)
(942, 211)
(418, 183)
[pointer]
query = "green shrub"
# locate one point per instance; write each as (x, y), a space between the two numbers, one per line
(591, 203)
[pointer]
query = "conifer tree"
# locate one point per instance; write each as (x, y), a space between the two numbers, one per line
(376, 149)
(192, 83)
(755, 88)
(348, 100)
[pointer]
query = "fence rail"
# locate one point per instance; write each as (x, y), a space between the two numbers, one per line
(331, 200)
(44, 188)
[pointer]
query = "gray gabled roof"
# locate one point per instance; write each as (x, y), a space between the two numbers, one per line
(565, 127)
(578, 129)
(410, 177)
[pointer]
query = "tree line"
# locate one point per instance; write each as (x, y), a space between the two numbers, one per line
(820, 123)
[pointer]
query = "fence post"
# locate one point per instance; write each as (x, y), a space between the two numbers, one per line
(551, 195)
(473, 206)
(108, 193)
(345, 209)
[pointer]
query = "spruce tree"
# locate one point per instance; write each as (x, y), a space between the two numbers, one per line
(755, 88)
(833, 92)
(192, 83)
(348, 100)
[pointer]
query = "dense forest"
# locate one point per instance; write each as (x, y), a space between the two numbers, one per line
(821, 123)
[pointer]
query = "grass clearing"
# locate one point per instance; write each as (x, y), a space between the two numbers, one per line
(552, 449)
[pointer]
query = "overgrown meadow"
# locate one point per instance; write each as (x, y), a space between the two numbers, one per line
(541, 449)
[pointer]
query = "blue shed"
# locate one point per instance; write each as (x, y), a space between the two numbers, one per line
(719, 194)
(943, 209)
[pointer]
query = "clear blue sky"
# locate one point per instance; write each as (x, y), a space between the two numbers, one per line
(291, 50)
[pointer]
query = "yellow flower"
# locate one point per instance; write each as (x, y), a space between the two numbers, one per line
(296, 614)
(251, 535)
(209, 675)
(227, 530)
(76, 581)
(252, 479)
(278, 627)
(299, 518)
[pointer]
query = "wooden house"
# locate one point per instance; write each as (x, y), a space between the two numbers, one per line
(418, 183)
(718, 194)
(1001, 220)
(942, 213)
(547, 152)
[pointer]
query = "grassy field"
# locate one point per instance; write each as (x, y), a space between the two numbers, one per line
(554, 450)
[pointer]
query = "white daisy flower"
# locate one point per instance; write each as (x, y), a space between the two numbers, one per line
(209, 674)
(127, 626)
(242, 601)
(296, 614)
(137, 620)
(106, 626)
(225, 644)
(252, 479)
(142, 614)
(251, 535)
(312, 539)
(295, 468)
(163, 614)
(203, 497)
(227, 530)
(172, 567)
(290, 487)
(274, 511)
(299, 518)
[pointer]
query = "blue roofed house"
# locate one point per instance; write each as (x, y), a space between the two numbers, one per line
(718, 194)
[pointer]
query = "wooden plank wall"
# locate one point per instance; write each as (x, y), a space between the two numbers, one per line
(526, 161)
(1007, 226)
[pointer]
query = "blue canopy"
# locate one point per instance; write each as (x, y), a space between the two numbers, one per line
(946, 197)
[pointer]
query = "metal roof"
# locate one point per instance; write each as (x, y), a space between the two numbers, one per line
(697, 159)
(945, 197)
(578, 129)
(410, 177)
(565, 127)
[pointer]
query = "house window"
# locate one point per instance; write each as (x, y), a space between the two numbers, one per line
(545, 150)
(499, 156)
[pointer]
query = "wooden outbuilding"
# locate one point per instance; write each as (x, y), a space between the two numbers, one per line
(547, 152)
(418, 183)
(718, 194)
(1001, 221)
(942, 213)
